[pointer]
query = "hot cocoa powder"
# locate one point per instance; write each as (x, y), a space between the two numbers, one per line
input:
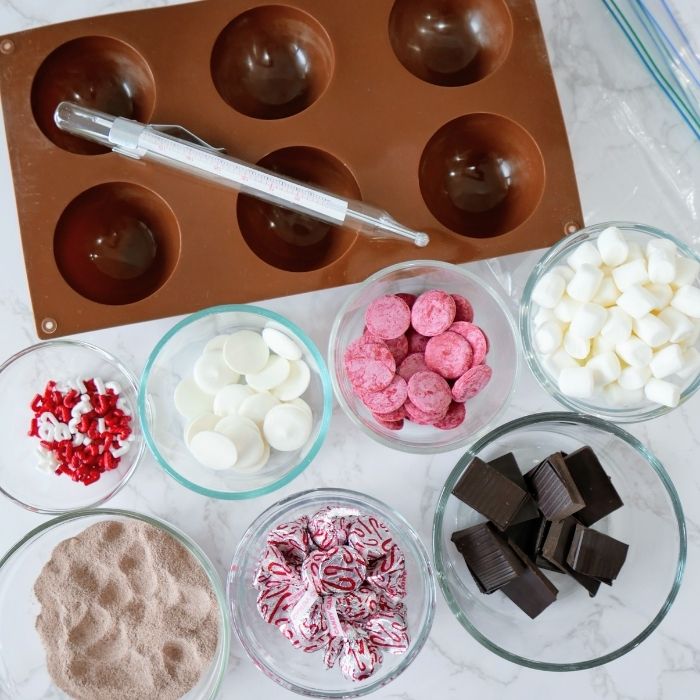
(127, 613)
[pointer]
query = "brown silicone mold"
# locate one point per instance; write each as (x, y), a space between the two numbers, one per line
(443, 112)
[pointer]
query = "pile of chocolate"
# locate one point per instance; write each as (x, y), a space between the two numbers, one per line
(539, 520)
(335, 582)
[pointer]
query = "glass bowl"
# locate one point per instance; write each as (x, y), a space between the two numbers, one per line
(172, 359)
(23, 376)
(305, 673)
(557, 255)
(576, 632)
(23, 673)
(490, 313)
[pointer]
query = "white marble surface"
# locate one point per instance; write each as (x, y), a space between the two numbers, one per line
(634, 159)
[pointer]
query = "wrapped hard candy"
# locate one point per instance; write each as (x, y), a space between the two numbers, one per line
(274, 570)
(388, 632)
(359, 657)
(275, 603)
(358, 605)
(329, 527)
(370, 537)
(291, 539)
(334, 571)
(387, 576)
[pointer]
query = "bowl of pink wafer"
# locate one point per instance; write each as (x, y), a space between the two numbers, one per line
(423, 356)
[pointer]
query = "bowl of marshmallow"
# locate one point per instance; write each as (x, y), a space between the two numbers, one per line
(610, 321)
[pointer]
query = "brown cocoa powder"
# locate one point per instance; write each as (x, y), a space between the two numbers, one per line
(126, 613)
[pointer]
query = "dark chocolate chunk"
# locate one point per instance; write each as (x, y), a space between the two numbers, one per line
(525, 535)
(590, 584)
(532, 591)
(490, 559)
(597, 555)
(593, 484)
(541, 537)
(553, 488)
(557, 542)
(508, 466)
(490, 493)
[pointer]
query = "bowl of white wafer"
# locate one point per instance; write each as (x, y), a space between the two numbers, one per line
(610, 321)
(235, 401)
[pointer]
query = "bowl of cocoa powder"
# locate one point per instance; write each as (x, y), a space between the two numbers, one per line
(110, 605)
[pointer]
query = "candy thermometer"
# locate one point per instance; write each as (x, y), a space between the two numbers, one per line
(178, 148)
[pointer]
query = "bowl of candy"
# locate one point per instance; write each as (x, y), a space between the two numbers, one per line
(559, 541)
(610, 321)
(70, 434)
(423, 356)
(331, 593)
(235, 401)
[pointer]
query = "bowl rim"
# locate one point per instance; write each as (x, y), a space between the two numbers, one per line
(145, 412)
(234, 582)
(392, 441)
(139, 439)
(620, 415)
(220, 660)
(540, 419)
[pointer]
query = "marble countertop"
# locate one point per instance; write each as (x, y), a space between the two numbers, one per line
(634, 159)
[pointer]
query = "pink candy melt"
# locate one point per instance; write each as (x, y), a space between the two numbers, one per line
(471, 383)
(449, 354)
(388, 317)
(419, 359)
(389, 399)
(433, 312)
(429, 392)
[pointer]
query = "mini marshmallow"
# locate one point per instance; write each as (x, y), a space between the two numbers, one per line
(585, 283)
(629, 274)
(634, 352)
(579, 348)
(564, 271)
(542, 316)
(661, 267)
(679, 324)
(691, 364)
(549, 290)
(618, 396)
(693, 338)
(634, 378)
(666, 361)
(560, 360)
(607, 293)
(652, 330)
(663, 392)
(617, 328)
(687, 301)
(612, 246)
(661, 246)
(663, 293)
(602, 344)
(566, 308)
(606, 368)
(585, 254)
(588, 320)
(687, 271)
(636, 301)
(577, 382)
(548, 337)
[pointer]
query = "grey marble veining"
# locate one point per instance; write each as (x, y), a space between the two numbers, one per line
(634, 159)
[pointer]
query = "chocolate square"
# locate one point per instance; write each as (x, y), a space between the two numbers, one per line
(596, 555)
(508, 466)
(525, 535)
(490, 493)
(490, 559)
(593, 484)
(554, 489)
(532, 591)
